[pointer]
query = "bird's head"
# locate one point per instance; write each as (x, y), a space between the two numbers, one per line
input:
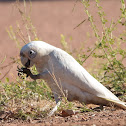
(33, 52)
(27, 55)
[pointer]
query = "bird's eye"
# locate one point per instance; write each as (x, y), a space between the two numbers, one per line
(32, 54)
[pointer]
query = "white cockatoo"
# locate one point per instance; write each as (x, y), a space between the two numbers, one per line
(64, 75)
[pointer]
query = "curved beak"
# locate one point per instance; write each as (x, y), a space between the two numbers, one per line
(27, 64)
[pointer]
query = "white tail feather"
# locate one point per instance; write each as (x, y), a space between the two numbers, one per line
(118, 103)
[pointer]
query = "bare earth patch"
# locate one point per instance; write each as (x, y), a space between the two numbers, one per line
(107, 117)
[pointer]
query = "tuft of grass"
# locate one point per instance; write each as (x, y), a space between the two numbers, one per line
(108, 49)
(25, 98)
(24, 31)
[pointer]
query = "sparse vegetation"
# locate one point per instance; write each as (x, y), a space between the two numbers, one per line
(25, 98)
(108, 49)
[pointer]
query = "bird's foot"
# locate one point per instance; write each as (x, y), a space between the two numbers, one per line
(23, 70)
(54, 109)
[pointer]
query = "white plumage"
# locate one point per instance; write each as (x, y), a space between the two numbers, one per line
(57, 67)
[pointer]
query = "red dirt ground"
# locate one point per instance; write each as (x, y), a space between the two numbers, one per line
(52, 18)
(107, 117)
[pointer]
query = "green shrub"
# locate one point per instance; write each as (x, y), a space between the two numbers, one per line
(108, 49)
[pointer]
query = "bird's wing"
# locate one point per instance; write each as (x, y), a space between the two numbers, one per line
(69, 70)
